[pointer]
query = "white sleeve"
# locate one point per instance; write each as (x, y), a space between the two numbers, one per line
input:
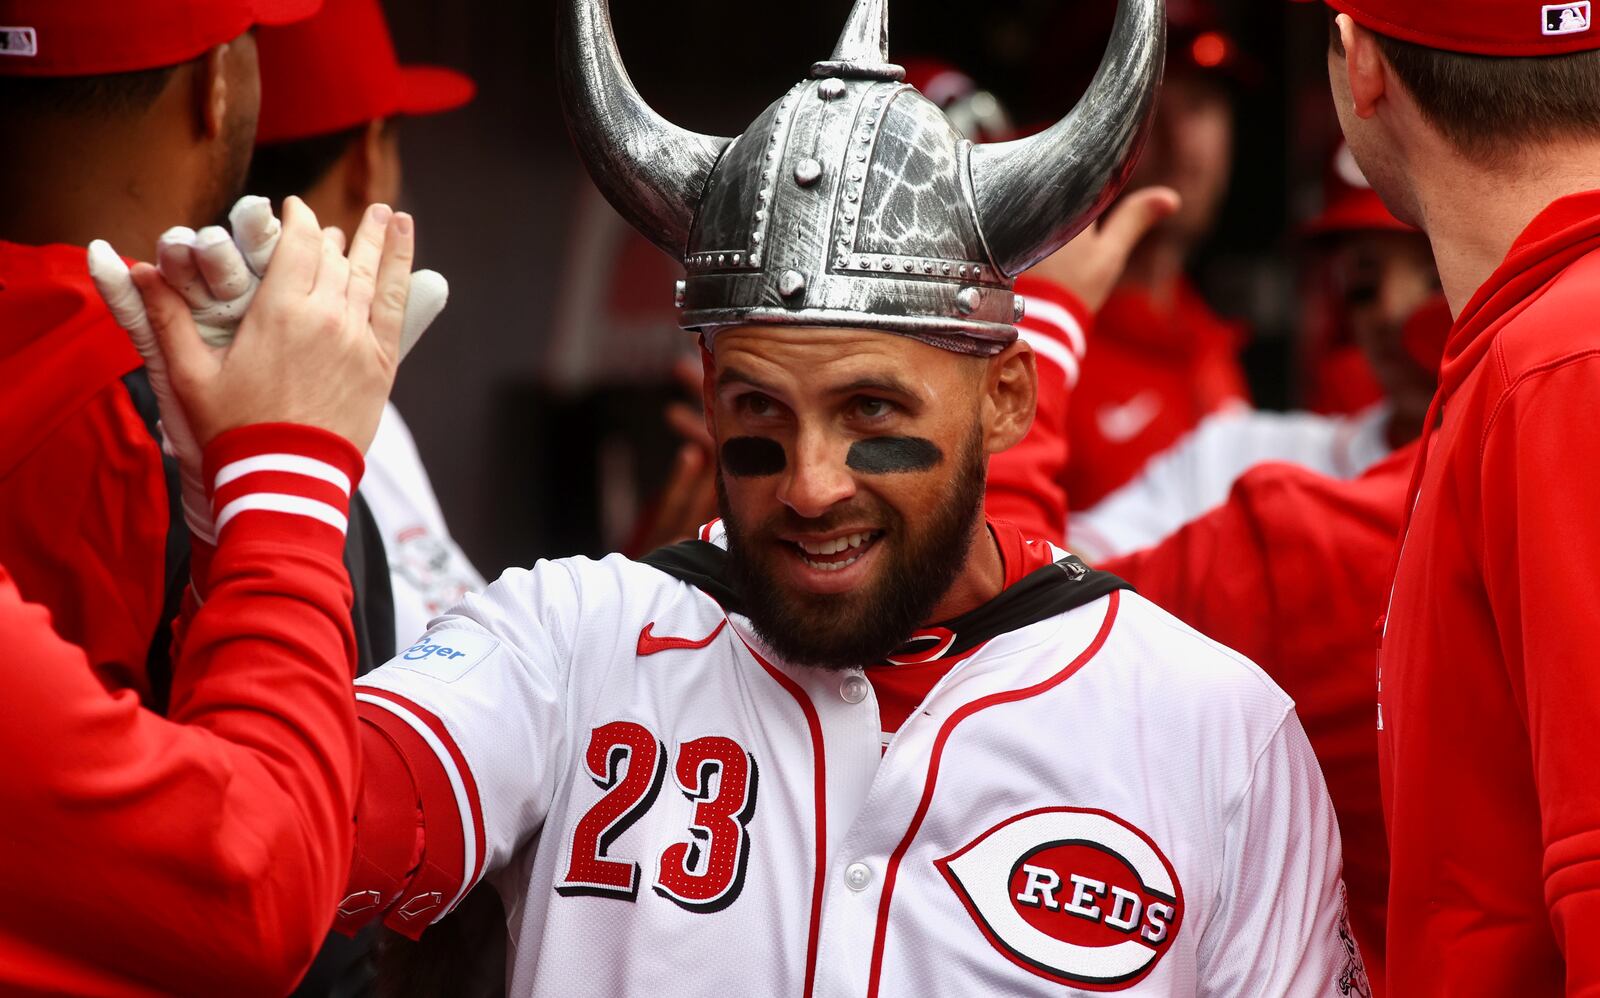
(478, 707)
(1195, 475)
(1280, 928)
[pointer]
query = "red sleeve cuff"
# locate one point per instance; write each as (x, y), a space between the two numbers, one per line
(453, 839)
(281, 477)
(1056, 323)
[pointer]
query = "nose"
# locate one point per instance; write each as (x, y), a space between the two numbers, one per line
(817, 478)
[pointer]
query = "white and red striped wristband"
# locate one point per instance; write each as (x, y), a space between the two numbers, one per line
(1056, 324)
(281, 472)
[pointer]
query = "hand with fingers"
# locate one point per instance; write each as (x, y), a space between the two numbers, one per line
(318, 344)
(1092, 263)
(218, 277)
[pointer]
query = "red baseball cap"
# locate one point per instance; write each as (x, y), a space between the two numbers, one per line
(338, 70)
(1481, 27)
(96, 37)
(1350, 204)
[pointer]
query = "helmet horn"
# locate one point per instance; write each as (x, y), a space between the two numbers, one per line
(652, 171)
(1035, 194)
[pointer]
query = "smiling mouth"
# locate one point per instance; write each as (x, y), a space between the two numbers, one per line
(837, 553)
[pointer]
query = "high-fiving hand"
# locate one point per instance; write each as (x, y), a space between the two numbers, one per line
(316, 341)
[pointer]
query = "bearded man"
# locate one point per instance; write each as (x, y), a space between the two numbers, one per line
(855, 739)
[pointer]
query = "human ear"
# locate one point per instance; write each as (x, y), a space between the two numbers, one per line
(374, 174)
(1011, 393)
(1365, 67)
(211, 91)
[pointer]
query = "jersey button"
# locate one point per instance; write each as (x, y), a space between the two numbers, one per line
(857, 876)
(853, 689)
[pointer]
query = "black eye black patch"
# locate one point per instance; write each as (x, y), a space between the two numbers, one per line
(891, 455)
(753, 457)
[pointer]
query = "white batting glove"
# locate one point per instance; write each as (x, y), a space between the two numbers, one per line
(116, 286)
(218, 275)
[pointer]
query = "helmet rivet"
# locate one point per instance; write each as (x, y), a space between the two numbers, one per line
(968, 300)
(806, 172)
(791, 283)
(830, 89)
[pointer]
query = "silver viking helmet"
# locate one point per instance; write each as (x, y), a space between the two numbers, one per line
(852, 201)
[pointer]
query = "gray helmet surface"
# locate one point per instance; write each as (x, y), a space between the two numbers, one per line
(852, 201)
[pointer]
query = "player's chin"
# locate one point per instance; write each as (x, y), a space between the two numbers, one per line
(830, 574)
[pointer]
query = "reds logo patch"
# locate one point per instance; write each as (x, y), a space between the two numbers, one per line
(1077, 896)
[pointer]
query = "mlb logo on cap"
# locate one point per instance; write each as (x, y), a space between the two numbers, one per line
(19, 42)
(1567, 18)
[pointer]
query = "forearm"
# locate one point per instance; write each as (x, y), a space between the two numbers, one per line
(204, 851)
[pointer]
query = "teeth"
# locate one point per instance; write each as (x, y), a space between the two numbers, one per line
(832, 566)
(836, 545)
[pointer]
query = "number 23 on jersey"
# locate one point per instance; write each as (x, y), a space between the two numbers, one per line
(703, 873)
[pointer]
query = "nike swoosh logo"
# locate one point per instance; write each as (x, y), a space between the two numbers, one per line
(649, 644)
(1121, 423)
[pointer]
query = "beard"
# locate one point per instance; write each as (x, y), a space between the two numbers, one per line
(840, 631)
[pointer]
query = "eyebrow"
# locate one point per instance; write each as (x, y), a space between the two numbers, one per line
(887, 384)
(734, 376)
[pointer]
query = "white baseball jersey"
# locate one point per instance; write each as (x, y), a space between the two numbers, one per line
(1101, 800)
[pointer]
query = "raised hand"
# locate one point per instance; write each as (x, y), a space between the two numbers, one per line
(1092, 263)
(319, 344)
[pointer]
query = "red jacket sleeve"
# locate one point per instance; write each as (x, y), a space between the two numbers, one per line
(1540, 478)
(203, 852)
(1026, 482)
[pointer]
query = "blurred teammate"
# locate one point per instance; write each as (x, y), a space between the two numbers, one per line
(332, 98)
(1388, 304)
(203, 853)
(1159, 359)
(1481, 125)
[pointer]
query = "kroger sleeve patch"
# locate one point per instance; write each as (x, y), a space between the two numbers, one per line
(446, 654)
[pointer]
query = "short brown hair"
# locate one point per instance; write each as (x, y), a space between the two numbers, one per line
(1484, 103)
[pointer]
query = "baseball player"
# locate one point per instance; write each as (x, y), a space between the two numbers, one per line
(202, 853)
(1480, 123)
(854, 740)
(120, 117)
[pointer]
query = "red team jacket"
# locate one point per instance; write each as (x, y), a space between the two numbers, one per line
(85, 524)
(1290, 572)
(201, 854)
(1489, 687)
(1148, 379)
